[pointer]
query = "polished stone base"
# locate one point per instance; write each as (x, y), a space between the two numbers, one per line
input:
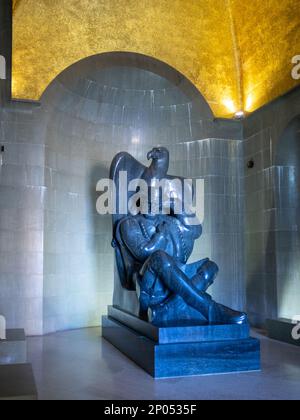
(180, 333)
(13, 350)
(282, 330)
(206, 354)
(17, 383)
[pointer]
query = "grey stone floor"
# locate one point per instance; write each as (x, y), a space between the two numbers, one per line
(81, 365)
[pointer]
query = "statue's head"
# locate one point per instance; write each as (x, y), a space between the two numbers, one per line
(161, 156)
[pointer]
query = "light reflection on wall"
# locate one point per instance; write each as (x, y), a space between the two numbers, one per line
(287, 198)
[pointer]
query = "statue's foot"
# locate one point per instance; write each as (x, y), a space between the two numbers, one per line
(220, 314)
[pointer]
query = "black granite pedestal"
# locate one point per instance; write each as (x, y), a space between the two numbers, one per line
(16, 375)
(181, 350)
(17, 382)
(13, 350)
(284, 330)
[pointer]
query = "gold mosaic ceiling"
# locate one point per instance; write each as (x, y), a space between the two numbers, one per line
(238, 53)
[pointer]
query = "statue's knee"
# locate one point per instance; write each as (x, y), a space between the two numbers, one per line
(211, 269)
(161, 260)
(158, 256)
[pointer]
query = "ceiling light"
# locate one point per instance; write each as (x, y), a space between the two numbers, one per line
(240, 115)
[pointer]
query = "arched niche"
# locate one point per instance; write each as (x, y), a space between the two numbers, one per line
(96, 108)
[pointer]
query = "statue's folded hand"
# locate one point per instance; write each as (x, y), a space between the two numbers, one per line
(161, 228)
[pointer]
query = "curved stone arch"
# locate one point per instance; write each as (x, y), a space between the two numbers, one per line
(143, 62)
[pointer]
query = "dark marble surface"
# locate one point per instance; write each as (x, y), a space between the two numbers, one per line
(207, 358)
(15, 335)
(17, 383)
(281, 329)
(13, 350)
(180, 334)
(183, 359)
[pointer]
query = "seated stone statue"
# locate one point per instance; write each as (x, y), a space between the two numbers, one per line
(152, 252)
